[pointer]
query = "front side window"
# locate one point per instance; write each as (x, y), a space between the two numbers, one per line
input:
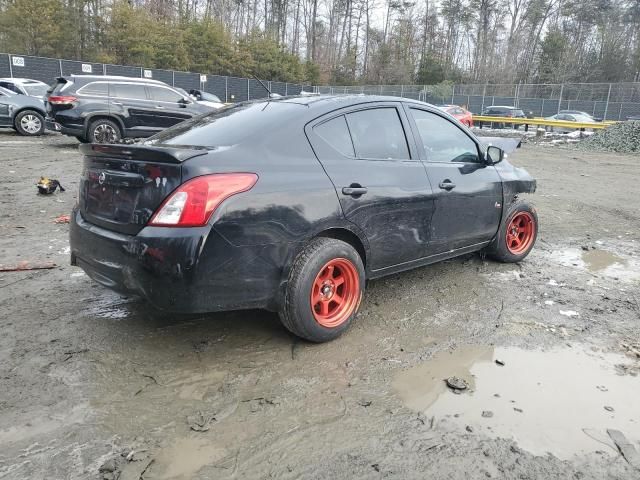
(378, 134)
(164, 95)
(127, 90)
(336, 133)
(443, 141)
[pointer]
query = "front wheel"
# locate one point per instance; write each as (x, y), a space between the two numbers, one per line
(324, 291)
(517, 234)
(29, 123)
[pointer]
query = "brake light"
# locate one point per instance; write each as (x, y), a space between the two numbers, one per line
(193, 203)
(61, 99)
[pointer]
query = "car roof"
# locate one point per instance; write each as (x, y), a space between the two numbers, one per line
(22, 81)
(113, 78)
(503, 106)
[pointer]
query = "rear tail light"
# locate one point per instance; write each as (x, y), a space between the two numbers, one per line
(192, 204)
(61, 99)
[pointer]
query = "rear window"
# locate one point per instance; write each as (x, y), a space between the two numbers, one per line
(378, 134)
(228, 126)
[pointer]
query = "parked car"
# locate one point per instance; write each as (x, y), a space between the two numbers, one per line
(292, 204)
(202, 97)
(634, 117)
(582, 114)
(23, 113)
(567, 117)
(504, 111)
(102, 109)
(25, 86)
(463, 115)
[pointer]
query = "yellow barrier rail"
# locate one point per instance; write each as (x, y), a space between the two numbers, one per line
(481, 119)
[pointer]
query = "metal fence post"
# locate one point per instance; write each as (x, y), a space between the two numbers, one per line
(286, 88)
(453, 92)
(141, 73)
(60, 64)
(173, 78)
(226, 89)
(560, 99)
(248, 89)
(104, 70)
(606, 105)
(401, 91)
(10, 65)
(484, 92)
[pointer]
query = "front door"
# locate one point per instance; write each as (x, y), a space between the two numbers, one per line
(170, 107)
(468, 192)
(381, 184)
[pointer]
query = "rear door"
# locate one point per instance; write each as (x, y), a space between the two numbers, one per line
(170, 106)
(129, 101)
(468, 192)
(381, 184)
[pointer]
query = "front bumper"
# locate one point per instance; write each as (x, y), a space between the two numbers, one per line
(186, 270)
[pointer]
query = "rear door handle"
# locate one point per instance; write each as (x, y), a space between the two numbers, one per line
(116, 103)
(159, 107)
(447, 185)
(354, 191)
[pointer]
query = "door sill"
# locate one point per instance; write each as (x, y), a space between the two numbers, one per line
(420, 262)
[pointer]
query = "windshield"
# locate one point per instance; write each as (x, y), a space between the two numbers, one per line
(35, 89)
(209, 97)
(226, 127)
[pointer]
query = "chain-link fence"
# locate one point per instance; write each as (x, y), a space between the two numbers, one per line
(609, 101)
(228, 89)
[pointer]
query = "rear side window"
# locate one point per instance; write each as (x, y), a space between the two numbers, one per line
(378, 134)
(100, 89)
(164, 94)
(127, 90)
(336, 133)
(443, 141)
(10, 86)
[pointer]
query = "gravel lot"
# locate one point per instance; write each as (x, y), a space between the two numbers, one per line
(95, 385)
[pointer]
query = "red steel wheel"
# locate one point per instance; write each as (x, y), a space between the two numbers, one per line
(520, 232)
(335, 292)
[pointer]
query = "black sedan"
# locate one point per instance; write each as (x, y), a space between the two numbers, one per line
(292, 204)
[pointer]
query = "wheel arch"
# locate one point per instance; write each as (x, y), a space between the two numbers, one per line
(24, 109)
(347, 236)
(103, 116)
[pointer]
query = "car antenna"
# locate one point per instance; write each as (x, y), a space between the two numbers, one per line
(263, 85)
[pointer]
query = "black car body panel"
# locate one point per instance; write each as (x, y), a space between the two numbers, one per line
(305, 188)
(140, 107)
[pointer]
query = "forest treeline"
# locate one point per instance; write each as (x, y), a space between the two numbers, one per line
(341, 41)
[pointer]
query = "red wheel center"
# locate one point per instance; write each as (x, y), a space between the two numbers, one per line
(520, 233)
(335, 293)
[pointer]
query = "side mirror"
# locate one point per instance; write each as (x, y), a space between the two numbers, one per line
(494, 155)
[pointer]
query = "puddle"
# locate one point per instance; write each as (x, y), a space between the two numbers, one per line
(600, 262)
(185, 457)
(597, 260)
(561, 394)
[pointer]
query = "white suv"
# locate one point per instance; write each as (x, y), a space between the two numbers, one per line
(25, 86)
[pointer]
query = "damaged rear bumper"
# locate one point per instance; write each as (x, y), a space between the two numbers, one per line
(185, 270)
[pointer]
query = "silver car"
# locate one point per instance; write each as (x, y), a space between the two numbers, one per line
(23, 113)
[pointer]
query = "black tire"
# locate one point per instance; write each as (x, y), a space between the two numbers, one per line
(499, 248)
(82, 139)
(104, 130)
(297, 313)
(29, 123)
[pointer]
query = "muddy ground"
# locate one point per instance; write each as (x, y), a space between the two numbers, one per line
(94, 385)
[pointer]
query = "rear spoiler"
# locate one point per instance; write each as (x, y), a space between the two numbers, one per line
(145, 153)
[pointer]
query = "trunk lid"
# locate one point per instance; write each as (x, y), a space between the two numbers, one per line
(122, 185)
